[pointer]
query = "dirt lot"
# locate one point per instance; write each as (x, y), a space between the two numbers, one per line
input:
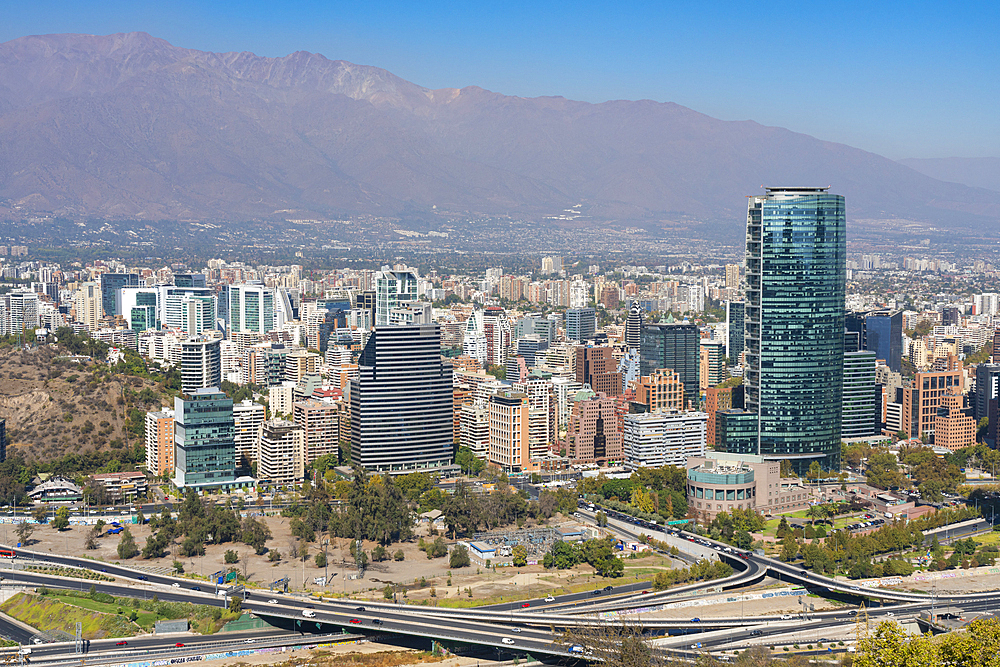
(354, 655)
(486, 585)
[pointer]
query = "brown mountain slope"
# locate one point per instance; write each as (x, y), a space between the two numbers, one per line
(55, 408)
(129, 126)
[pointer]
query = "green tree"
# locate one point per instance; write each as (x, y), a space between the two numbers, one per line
(320, 559)
(789, 548)
(883, 470)
(255, 534)
(24, 531)
(126, 546)
(61, 522)
(783, 528)
(459, 557)
(235, 604)
(890, 646)
(40, 513)
(231, 557)
(520, 554)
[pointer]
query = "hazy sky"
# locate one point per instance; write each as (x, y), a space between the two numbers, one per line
(904, 79)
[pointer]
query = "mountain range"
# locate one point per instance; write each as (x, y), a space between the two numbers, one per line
(129, 126)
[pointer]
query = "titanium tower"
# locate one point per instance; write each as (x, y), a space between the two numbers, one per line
(796, 274)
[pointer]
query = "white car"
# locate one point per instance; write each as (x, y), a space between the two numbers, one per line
(550, 599)
(787, 617)
(248, 641)
(515, 629)
(506, 640)
(175, 585)
(272, 601)
(308, 613)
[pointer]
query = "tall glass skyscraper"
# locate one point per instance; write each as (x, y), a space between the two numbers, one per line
(402, 401)
(796, 274)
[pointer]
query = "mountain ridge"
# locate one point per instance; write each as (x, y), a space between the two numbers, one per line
(128, 125)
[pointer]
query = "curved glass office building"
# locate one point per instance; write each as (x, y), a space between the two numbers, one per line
(796, 273)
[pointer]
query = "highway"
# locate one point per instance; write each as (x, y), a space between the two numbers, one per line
(509, 627)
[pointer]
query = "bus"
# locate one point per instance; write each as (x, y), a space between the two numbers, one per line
(7, 553)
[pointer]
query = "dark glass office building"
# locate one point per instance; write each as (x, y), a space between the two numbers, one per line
(581, 324)
(110, 284)
(736, 431)
(402, 401)
(881, 332)
(796, 275)
(735, 325)
(674, 346)
(860, 415)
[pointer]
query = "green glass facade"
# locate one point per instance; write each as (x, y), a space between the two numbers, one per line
(796, 274)
(204, 439)
(736, 432)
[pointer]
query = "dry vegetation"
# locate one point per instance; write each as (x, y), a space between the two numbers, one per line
(56, 407)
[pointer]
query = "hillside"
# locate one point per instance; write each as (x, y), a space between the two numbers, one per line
(55, 407)
(127, 126)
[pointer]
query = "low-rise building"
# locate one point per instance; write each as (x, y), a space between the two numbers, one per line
(721, 482)
(122, 486)
(56, 489)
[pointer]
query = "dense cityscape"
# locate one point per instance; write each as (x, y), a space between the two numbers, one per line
(735, 397)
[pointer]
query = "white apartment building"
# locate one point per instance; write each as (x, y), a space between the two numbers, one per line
(474, 426)
(281, 452)
(87, 305)
(653, 440)
(247, 420)
(280, 398)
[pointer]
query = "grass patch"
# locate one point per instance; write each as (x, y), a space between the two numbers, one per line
(987, 539)
(48, 614)
(203, 619)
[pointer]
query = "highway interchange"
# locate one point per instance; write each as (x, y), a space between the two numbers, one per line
(535, 629)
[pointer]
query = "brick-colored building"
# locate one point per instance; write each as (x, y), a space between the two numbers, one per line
(320, 424)
(922, 398)
(160, 442)
(953, 429)
(594, 433)
(509, 440)
(595, 366)
(716, 399)
(660, 391)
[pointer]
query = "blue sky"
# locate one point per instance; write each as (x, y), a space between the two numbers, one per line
(913, 79)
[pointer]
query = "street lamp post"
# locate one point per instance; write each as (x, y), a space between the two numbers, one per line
(326, 565)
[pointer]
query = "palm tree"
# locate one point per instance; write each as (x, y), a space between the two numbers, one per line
(815, 512)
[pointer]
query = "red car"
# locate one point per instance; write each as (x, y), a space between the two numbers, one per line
(179, 645)
(525, 605)
(355, 621)
(122, 644)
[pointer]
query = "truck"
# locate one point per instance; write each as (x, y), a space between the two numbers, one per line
(308, 613)
(576, 648)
